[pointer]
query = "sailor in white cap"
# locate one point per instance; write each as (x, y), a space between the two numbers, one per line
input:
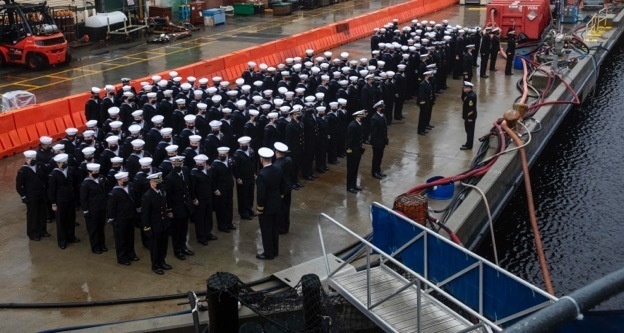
(71, 141)
(121, 214)
(93, 195)
(165, 164)
(153, 136)
(213, 140)
(244, 169)
(116, 165)
(426, 97)
(125, 87)
(284, 163)
(201, 198)
(223, 190)
(270, 133)
(62, 197)
(189, 121)
(469, 113)
(354, 150)
(179, 200)
(92, 106)
(30, 184)
(112, 150)
(155, 217)
(138, 152)
(271, 187)
(177, 119)
(378, 138)
(467, 66)
(294, 137)
(192, 150)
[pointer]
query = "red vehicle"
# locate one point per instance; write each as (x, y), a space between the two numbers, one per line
(29, 36)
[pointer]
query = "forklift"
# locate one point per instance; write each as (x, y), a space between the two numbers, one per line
(29, 37)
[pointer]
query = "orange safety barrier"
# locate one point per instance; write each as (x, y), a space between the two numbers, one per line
(20, 130)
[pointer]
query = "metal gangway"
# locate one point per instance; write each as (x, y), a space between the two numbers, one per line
(404, 289)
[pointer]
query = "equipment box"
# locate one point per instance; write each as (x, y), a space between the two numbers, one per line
(243, 9)
(213, 17)
(282, 8)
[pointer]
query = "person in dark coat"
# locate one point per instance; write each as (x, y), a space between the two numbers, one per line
(379, 139)
(92, 106)
(270, 131)
(271, 187)
(354, 150)
(425, 102)
(244, 170)
(122, 215)
(285, 163)
(30, 184)
(223, 190)
(495, 48)
(201, 197)
(93, 197)
(322, 141)
(367, 100)
(467, 66)
(62, 184)
(294, 140)
(510, 51)
(155, 217)
(179, 201)
(469, 114)
(310, 140)
(486, 46)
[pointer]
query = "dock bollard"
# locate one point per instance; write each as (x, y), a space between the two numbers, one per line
(511, 118)
(222, 305)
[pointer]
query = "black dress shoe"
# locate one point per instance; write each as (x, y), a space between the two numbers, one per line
(97, 251)
(158, 271)
(203, 242)
(422, 133)
(36, 239)
(263, 257)
(465, 148)
(231, 227)
(383, 174)
(76, 240)
(357, 188)
(366, 142)
(320, 170)
(135, 259)
(76, 223)
(295, 187)
(125, 263)
(212, 237)
(430, 127)
(334, 162)
(282, 232)
(300, 185)
(509, 74)
(492, 70)
(484, 76)
(310, 178)
(325, 169)
(104, 249)
(224, 230)
(166, 266)
(378, 176)
(188, 252)
(180, 256)
(45, 234)
(63, 247)
(314, 176)
(352, 190)
(246, 217)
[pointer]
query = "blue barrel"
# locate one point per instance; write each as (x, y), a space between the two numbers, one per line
(518, 61)
(440, 192)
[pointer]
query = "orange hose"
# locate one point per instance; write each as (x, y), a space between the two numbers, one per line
(529, 193)
(525, 85)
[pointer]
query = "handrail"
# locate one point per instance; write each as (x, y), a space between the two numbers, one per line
(422, 280)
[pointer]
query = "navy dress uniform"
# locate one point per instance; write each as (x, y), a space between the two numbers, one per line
(30, 185)
(469, 114)
(223, 190)
(425, 102)
(155, 217)
(179, 201)
(379, 139)
(285, 163)
(61, 188)
(245, 166)
(92, 106)
(270, 186)
(354, 150)
(510, 51)
(122, 215)
(201, 197)
(467, 64)
(294, 140)
(93, 197)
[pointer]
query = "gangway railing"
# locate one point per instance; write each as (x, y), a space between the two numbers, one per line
(461, 277)
(599, 20)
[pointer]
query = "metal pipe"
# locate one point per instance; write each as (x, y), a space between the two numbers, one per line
(571, 306)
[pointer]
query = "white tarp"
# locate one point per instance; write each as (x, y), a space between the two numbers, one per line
(17, 99)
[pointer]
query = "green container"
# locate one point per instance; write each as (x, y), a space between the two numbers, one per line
(243, 9)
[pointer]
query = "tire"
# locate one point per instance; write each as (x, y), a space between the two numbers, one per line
(68, 58)
(36, 62)
(2, 60)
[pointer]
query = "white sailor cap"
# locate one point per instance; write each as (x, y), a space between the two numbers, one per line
(370, 76)
(173, 74)
(171, 148)
(191, 79)
(121, 175)
(147, 87)
(428, 73)
(265, 152)
(310, 98)
(186, 86)
(251, 64)
(116, 159)
(285, 108)
(189, 118)
(342, 101)
(343, 82)
(157, 177)
(95, 90)
(272, 115)
(176, 159)
(180, 101)
(468, 84)
(93, 167)
(257, 83)
(254, 112)
(58, 146)
(226, 110)
(115, 124)
(297, 108)
(151, 95)
(256, 98)
(145, 161)
(297, 67)
(241, 102)
(109, 87)
(126, 88)
(333, 104)
(263, 66)
(88, 133)
(282, 90)
(267, 92)
(60, 158)
(285, 73)
(271, 69)
(424, 55)
(30, 154)
(239, 81)
(194, 138)
(401, 67)
(379, 104)
(215, 124)
(166, 131)
(278, 102)
(71, 131)
(358, 113)
(265, 106)
(168, 92)
(299, 90)
(354, 78)
(244, 139)
(198, 92)
(134, 129)
(315, 70)
(137, 143)
(211, 90)
(158, 119)
(223, 150)
(88, 151)
(202, 106)
(113, 111)
(203, 81)
(320, 108)
(128, 94)
(216, 98)
(162, 83)
(430, 66)
(280, 147)
(177, 79)
(470, 46)
(289, 94)
(156, 78)
(224, 84)
(319, 95)
(137, 113)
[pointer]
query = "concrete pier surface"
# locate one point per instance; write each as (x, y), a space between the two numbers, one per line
(39, 272)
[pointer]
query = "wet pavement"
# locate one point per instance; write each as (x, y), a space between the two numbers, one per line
(34, 272)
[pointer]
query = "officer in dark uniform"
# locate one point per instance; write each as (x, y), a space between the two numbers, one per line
(155, 217)
(122, 215)
(510, 51)
(30, 184)
(179, 201)
(367, 100)
(354, 150)
(485, 51)
(92, 106)
(322, 141)
(494, 48)
(62, 184)
(469, 113)
(93, 196)
(271, 187)
(467, 66)
(285, 163)
(201, 197)
(425, 102)
(244, 170)
(223, 190)
(294, 140)
(270, 131)
(379, 139)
